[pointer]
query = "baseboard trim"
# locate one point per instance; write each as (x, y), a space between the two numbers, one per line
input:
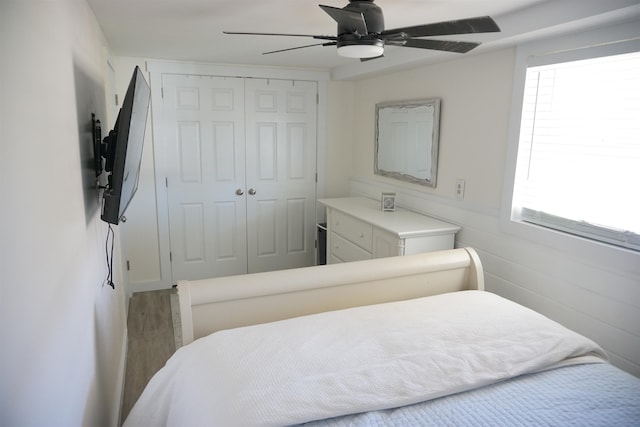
(175, 318)
(122, 372)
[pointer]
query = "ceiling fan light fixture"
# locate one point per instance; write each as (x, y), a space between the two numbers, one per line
(361, 49)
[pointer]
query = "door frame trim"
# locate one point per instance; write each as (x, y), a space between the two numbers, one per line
(156, 69)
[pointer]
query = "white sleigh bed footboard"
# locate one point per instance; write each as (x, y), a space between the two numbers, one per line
(210, 305)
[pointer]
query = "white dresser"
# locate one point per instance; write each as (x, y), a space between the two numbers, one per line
(358, 229)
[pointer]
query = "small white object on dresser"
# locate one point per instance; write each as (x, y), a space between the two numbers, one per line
(359, 230)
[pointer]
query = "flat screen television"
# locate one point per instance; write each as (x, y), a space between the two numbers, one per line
(122, 150)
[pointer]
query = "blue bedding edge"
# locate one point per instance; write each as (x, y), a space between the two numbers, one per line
(595, 394)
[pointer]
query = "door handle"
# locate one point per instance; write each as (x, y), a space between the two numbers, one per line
(252, 191)
(239, 192)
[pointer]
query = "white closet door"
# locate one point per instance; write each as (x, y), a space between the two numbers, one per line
(205, 175)
(281, 173)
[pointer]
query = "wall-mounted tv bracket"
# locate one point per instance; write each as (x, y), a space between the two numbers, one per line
(102, 149)
(97, 142)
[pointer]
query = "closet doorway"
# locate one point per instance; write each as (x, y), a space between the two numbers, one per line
(239, 159)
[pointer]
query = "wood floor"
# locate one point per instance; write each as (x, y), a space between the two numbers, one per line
(152, 340)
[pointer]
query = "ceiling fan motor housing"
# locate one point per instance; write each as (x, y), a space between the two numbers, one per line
(372, 16)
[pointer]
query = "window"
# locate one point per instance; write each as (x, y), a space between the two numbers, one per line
(578, 156)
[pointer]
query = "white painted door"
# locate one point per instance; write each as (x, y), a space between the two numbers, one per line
(207, 218)
(281, 169)
(241, 179)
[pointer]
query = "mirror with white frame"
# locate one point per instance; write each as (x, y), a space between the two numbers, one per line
(407, 134)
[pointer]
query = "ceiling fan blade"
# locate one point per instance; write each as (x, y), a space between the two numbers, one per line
(371, 59)
(278, 34)
(481, 24)
(301, 47)
(445, 45)
(348, 20)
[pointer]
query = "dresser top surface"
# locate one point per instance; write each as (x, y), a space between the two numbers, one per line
(402, 222)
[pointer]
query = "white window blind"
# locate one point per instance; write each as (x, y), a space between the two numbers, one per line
(579, 153)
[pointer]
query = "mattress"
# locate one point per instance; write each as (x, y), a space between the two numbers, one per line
(596, 394)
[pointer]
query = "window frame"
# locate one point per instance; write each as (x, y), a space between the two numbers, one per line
(605, 41)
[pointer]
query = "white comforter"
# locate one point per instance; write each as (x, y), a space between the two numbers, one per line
(354, 360)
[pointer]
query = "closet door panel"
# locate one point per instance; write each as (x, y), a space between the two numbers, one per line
(207, 219)
(240, 177)
(281, 150)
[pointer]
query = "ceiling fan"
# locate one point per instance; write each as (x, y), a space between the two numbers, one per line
(361, 32)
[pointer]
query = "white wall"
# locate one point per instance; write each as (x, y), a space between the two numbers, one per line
(340, 133)
(475, 93)
(144, 259)
(593, 289)
(63, 332)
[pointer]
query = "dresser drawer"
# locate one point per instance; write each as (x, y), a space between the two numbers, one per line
(346, 251)
(352, 229)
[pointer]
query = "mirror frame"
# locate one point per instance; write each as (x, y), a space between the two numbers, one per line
(435, 136)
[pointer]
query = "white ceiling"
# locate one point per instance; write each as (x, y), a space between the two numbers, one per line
(191, 30)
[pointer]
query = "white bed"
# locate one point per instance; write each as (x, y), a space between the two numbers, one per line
(383, 342)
